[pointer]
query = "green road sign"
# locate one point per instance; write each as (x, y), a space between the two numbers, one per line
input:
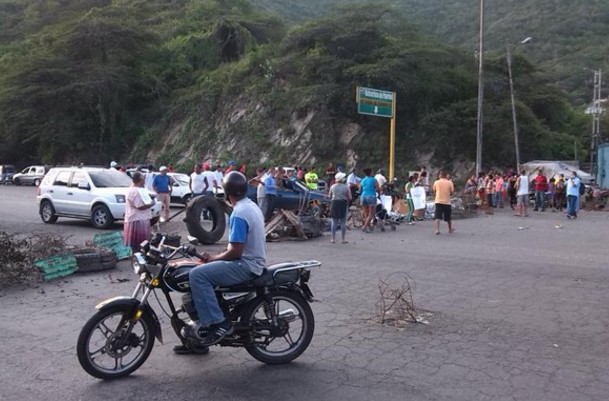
(375, 102)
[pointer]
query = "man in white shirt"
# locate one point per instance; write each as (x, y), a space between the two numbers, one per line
(522, 194)
(197, 181)
(210, 180)
(353, 182)
(219, 176)
(380, 178)
(149, 178)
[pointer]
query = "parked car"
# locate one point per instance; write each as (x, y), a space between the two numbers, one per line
(180, 192)
(92, 193)
(7, 171)
(31, 175)
(294, 195)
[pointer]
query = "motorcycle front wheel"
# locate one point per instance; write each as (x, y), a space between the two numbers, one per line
(285, 341)
(112, 345)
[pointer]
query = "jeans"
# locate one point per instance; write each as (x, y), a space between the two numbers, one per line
(499, 199)
(270, 206)
(572, 202)
(539, 199)
(204, 278)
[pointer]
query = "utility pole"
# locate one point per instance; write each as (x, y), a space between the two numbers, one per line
(480, 92)
(596, 119)
(514, 119)
(509, 63)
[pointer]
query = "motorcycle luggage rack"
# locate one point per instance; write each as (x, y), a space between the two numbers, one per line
(307, 264)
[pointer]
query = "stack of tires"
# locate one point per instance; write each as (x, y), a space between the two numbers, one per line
(95, 259)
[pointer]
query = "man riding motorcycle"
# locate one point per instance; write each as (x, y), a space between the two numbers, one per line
(242, 261)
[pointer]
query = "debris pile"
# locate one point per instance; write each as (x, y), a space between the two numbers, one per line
(396, 303)
(285, 224)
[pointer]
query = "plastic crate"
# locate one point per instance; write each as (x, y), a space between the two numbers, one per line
(114, 241)
(56, 266)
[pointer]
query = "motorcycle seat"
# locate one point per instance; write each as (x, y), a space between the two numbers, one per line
(271, 275)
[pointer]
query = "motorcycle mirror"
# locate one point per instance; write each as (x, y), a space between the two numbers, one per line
(192, 240)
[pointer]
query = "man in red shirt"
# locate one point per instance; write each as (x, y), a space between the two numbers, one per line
(541, 186)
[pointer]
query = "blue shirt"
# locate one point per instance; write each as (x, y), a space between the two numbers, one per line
(246, 226)
(161, 183)
(573, 186)
(269, 185)
(368, 186)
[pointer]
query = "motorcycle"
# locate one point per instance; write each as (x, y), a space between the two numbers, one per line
(270, 314)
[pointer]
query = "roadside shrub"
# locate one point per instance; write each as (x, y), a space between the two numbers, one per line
(21, 250)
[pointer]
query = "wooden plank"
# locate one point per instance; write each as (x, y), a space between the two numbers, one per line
(275, 223)
(295, 222)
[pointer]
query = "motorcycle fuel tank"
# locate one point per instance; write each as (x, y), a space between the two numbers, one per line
(177, 277)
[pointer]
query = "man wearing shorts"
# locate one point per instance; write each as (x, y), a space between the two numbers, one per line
(522, 194)
(443, 189)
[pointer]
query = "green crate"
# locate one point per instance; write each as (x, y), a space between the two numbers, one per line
(114, 241)
(122, 252)
(56, 266)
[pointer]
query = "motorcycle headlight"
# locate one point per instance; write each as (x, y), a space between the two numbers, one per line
(120, 198)
(139, 263)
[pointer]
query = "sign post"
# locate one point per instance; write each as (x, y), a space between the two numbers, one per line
(380, 103)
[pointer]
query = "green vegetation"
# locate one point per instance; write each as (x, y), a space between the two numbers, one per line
(94, 80)
(569, 36)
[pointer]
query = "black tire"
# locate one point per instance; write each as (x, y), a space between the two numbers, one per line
(47, 212)
(16, 181)
(101, 217)
(251, 316)
(86, 257)
(186, 199)
(197, 228)
(91, 327)
(110, 258)
(95, 259)
(37, 182)
(96, 266)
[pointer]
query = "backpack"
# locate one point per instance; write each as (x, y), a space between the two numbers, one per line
(582, 188)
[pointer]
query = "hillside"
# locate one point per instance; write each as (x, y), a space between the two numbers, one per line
(183, 81)
(569, 36)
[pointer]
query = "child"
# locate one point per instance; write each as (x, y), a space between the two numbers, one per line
(551, 192)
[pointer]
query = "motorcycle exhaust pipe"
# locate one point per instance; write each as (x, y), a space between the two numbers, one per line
(287, 314)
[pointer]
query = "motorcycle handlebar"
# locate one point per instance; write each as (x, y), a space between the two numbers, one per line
(192, 251)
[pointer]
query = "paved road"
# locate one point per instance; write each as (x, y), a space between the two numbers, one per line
(519, 312)
(19, 213)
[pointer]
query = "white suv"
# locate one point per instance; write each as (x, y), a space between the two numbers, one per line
(95, 194)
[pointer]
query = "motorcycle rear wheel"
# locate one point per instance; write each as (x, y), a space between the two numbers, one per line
(293, 332)
(103, 337)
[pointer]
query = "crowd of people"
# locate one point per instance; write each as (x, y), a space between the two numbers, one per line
(494, 189)
(489, 190)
